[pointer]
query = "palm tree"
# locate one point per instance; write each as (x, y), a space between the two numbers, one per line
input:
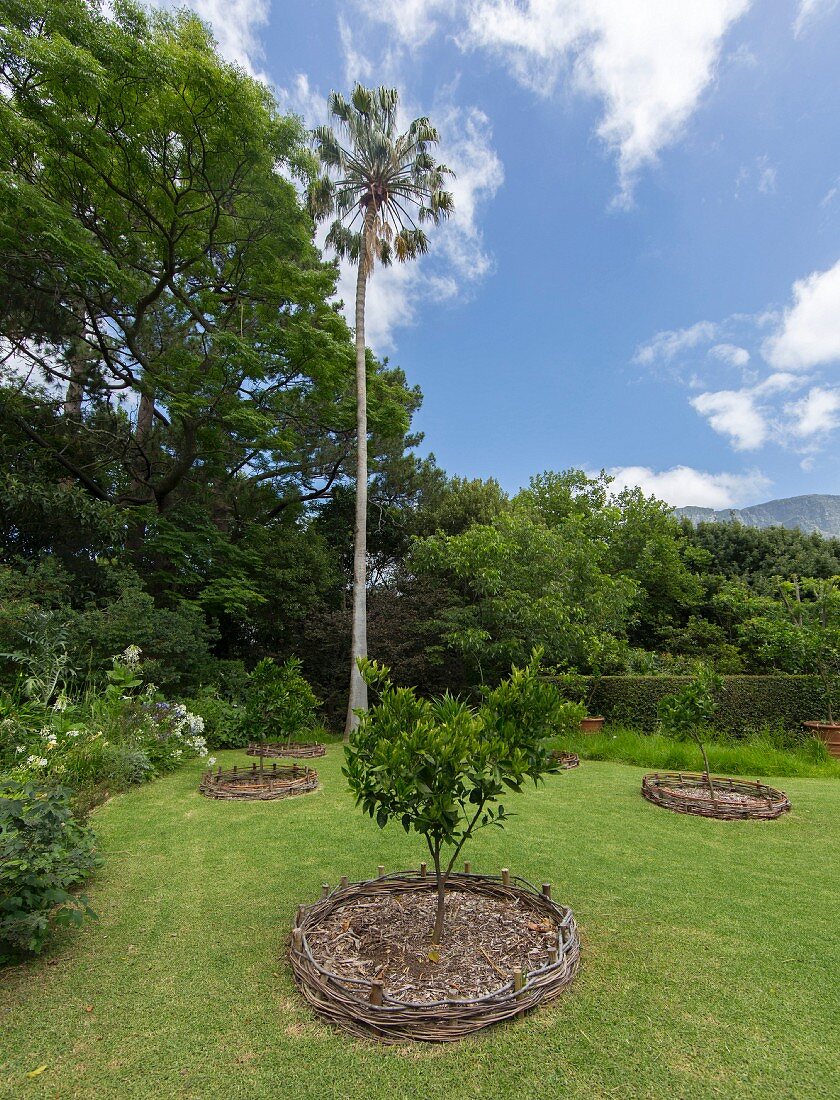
(380, 187)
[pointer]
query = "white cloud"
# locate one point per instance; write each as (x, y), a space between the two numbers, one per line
(780, 382)
(411, 22)
(831, 193)
(766, 176)
(391, 303)
(235, 25)
(304, 100)
(357, 67)
(648, 63)
(733, 413)
(776, 353)
(809, 334)
(666, 345)
(816, 414)
(466, 146)
(809, 11)
(730, 354)
(683, 485)
(762, 177)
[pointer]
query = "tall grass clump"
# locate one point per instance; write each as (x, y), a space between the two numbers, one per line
(764, 754)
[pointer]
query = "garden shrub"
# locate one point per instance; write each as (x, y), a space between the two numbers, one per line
(747, 704)
(44, 853)
(224, 721)
(175, 641)
(280, 705)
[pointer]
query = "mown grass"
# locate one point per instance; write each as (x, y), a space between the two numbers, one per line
(710, 953)
(753, 756)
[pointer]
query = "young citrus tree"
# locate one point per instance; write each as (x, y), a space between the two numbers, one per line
(440, 766)
(381, 187)
(688, 713)
(280, 705)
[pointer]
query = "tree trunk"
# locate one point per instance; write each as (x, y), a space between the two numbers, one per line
(709, 783)
(440, 912)
(358, 698)
(78, 369)
(136, 533)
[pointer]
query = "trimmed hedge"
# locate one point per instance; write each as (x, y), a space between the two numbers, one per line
(746, 705)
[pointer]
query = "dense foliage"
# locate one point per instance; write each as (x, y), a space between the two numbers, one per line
(280, 704)
(177, 432)
(121, 734)
(44, 853)
(178, 382)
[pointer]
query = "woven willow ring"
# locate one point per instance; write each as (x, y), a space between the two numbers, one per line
(290, 750)
(566, 760)
(365, 1009)
(278, 781)
(739, 800)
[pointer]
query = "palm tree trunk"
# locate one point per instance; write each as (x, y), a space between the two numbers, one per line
(358, 698)
(136, 533)
(78, 368)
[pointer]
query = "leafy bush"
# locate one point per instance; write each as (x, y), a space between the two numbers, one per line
(439, 766)
(813, 608)
(224, 721)
(175, 641)
(280, 704)
(44, 852)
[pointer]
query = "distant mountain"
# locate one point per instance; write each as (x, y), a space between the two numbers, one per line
(813, 512)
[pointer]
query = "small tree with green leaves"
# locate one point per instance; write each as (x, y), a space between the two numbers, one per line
(280, 705)
(688, 713)
(439, 766)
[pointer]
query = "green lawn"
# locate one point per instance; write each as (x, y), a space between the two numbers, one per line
(711, 953)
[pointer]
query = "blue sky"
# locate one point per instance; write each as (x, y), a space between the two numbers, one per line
(643, 271)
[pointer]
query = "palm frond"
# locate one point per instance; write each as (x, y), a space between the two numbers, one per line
(374, 164)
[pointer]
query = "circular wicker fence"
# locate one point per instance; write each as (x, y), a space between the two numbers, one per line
(278, 781)
(365, 1009)
(736, 799)
(288, 749)
(566, 760)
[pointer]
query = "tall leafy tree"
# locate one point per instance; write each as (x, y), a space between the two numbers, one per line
(381, 187)
(168, 263)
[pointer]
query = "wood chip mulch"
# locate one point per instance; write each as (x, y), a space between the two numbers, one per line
(388, 939)
(722, 795)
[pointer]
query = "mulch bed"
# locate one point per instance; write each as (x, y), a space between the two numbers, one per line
(278, 781)
(362, 956)
(305, 750)
(566, 760)
(387, 940)
(734, 799)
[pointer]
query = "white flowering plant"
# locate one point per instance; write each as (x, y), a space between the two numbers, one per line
(120, 735)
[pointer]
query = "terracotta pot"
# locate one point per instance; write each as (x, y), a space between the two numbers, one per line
(592, 723)
(829, 732)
